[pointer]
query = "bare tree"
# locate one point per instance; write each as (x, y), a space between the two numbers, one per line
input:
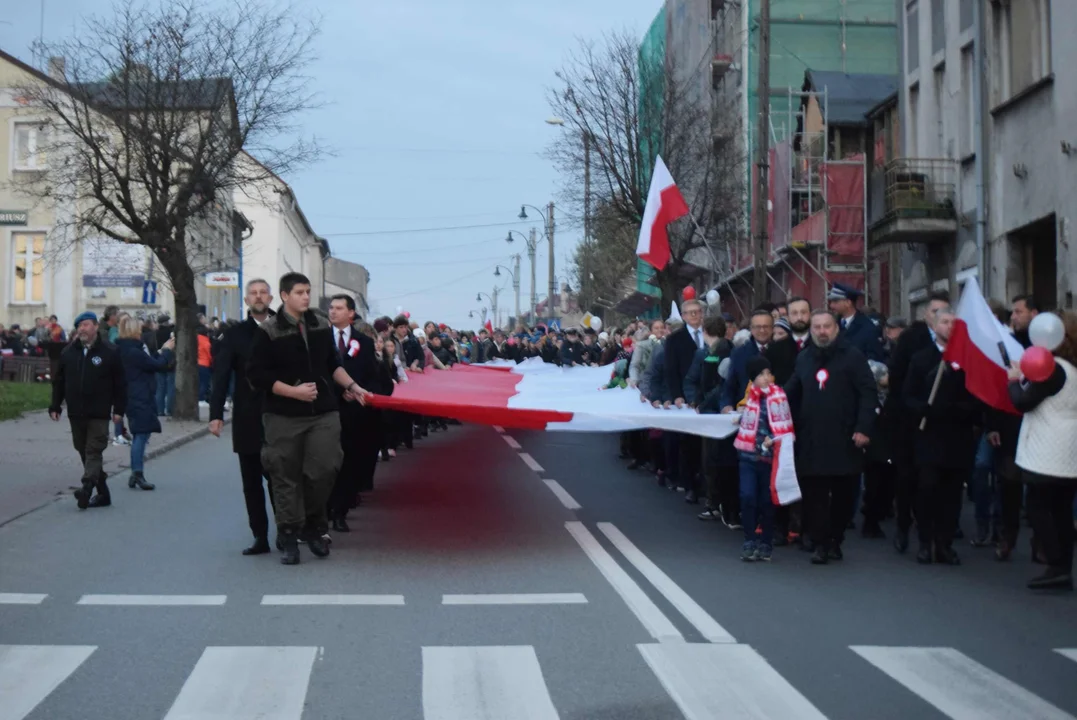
(604, 262)
(633, 106)
(148, 112)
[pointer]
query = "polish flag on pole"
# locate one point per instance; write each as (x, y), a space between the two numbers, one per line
(984, 348)
(664, 205)
(489, 327)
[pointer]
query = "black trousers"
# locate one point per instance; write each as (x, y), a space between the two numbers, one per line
(690, 461)
(250, 469)
(723, 479)
(878, 491)
(938, 504)
(1050, 508)
(906, 480)
(1011, 499)
(827, 506)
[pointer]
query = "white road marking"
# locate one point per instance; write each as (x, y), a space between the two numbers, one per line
(562, 495)
(516, 599)
(333, 600)
(28, 673)
(152, 600)
(708, 627)
(530, 462)
(1071, 653)
(484, 683)
(246, 683)
(22, 598)
(726, 682)
(657, 624)
(958, 686)
(498, 428)
(511, 442)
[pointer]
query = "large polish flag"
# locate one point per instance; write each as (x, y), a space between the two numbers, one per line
(976, 346)
(664, 205)
(538, 396)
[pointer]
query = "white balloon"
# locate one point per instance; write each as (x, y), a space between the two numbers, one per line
(399, 309)
(596, 324)
(713, 297)
(1046, 331)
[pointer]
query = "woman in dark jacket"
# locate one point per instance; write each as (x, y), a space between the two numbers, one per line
(141, 370)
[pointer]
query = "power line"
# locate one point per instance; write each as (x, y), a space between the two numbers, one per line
(418, 262)
(440, 286)
(428, 229)
(413, 251)
(412, 217)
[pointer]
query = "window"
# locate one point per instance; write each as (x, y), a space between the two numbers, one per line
(939, 92)
(914, 121)
(966, 12)
(29, 150)
(912, 37)
(966, 130)
(1021, 34)
(938, 27)
(29, 267)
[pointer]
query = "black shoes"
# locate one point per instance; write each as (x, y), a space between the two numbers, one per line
(288, 542)
(102, 498)
(691, 498)
(317, 544)
(946, 556)
(1052, 579)
(901, 540)
(260, 547)
(137, 480)
(82, 495)
(339, 524)
(923, 555)
(835, 552)
(820, 556)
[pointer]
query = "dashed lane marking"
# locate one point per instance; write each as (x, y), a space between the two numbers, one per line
(152, 600)
(511, 442)
(22, 598)
(567, 500)
(333, 600)
(516, 599)
(530, 462)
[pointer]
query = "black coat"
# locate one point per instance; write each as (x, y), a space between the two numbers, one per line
(233, 355)
(281, 355)
(825, 418)
(362, 368)
(782, 355)
(140, 369)
(680, 352)
(572, 353)
(865, 336)
(948, 440)
(92, 383)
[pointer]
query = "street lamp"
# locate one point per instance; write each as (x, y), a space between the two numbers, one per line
(515, 274)
(532, 247)
(549, 225)
(493, 303)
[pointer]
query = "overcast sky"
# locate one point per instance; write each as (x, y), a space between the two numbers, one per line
(436, 112)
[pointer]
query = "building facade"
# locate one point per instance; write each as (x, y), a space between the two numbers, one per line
(348, 278)
(982, 187)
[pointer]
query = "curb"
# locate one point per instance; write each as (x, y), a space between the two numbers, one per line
(121, 472)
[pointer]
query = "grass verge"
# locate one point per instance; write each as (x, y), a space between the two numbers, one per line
(18, 398)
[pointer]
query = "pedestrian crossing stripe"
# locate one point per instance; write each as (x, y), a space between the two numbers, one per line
(706, 681)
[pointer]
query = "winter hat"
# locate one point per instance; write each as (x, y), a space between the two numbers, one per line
(84, 315)
(783, 323)
(756, 366)
(878, 369)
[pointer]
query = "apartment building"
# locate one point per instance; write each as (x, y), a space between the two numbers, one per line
(980, 181)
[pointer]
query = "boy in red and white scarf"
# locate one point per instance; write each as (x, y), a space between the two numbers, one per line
(766, 417)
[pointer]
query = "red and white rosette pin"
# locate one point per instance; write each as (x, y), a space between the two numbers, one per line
(822, 376)
(353, 348)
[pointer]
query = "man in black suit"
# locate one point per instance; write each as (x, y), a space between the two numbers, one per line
(918, 336)
(233, 353)
(681, 349)
(358, 436)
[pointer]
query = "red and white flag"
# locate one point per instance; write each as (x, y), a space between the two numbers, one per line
(489, 327)
(538, 396)
(980, 345)
(664, 205)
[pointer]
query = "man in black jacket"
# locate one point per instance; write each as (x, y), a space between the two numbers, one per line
(918, 336)
(90, 379)
(681, 349)
(233, 355)
(945, 442)
(833, 398)
(359, 439)
(294, 363)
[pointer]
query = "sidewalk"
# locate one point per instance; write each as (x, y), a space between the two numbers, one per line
(38, 463)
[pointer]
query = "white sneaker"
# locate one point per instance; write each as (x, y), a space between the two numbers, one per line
(203, 404)
(120, 440)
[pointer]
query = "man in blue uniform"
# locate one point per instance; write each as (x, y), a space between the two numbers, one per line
(857, 329)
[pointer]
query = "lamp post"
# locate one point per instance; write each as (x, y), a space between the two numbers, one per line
(493, 305)
(549, 225)
(515, 274)
(482, 315)
(532, 244)
(587, 139)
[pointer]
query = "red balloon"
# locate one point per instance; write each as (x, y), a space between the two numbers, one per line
(1037, 364)
(407, 315)
(689, 293)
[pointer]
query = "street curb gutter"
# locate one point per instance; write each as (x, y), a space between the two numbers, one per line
(150, 455)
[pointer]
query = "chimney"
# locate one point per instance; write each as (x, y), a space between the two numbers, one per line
(56, 69)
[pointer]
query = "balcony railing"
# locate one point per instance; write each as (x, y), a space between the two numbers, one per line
(719, 65)
(919, 188)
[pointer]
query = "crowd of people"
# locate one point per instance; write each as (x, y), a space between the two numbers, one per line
(879, 423)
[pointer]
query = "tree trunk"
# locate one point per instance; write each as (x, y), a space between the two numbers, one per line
(182, 279)
(669, 292)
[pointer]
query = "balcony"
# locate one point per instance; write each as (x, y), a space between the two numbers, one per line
(719, 65)
(717, 6)
(913, 200)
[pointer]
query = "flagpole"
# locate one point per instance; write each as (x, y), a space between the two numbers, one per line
(934, 390)
(703, 237)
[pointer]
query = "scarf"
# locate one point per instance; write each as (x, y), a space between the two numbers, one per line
(779, 417)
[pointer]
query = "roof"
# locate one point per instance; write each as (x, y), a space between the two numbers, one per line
(204, 94)
(850, 96)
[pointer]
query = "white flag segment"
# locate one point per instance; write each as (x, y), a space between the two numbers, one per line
(664, 205)
(976, 346)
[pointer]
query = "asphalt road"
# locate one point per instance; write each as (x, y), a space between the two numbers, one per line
(526, 576)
